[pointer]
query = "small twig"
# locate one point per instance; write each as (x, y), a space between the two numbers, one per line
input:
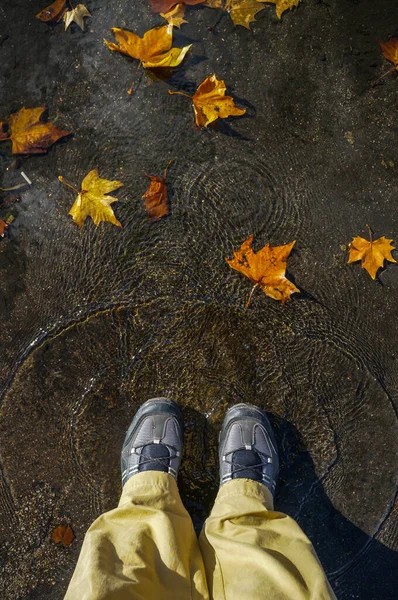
(62, 180)
(251, 294)
(382, 76)
(14, 187)
(180, 94)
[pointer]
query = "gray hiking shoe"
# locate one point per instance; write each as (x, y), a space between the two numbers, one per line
(247, 447)
(154, 439)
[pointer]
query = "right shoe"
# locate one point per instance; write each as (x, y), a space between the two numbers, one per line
(247, 447)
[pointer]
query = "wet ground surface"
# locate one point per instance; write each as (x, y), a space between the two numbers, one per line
(95, 322)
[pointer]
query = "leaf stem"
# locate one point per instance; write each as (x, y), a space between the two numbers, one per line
(167, 166)
(180, 94)
(62, 180)
(370, 233)
(382, 76)
(251, 295)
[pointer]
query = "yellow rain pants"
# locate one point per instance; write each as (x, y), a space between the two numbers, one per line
(146, 549)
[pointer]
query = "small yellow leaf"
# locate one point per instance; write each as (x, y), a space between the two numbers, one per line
(153, 49)
(282, 5)
(243, 12)
(92, 200)
(77, 15)
(175, 16)
(371, 253)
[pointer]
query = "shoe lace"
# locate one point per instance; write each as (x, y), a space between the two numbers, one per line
(264, 459)
(163, 461)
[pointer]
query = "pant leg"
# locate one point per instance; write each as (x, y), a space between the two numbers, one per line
(145, 549)
(250, 551)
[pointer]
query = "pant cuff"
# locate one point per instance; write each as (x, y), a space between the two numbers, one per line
(247, 487)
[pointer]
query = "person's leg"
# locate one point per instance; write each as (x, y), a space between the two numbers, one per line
(249, 550)
(146, 548)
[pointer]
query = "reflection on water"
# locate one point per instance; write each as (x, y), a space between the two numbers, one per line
(95, 322)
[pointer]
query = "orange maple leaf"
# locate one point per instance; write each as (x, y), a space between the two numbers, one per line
(390, 52)
(164, 6)
(210, 102)
(156, 200)
(371, 253)
(30, 135)
(63, 534)
(265, 268)
(54, 12)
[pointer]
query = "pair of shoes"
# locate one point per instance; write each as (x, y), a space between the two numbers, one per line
(247, 446)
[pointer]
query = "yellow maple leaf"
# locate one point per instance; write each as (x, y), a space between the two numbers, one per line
(210, 102)
(243, 12)
(92, 200)
(28, 133)
(282, 5)
(175, 16)
(265, 268)
(371, 253)
(153, 49)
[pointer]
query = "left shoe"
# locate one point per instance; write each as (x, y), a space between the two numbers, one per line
(154, 439)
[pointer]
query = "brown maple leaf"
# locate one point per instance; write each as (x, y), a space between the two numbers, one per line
(390, 52)
(29, 134)
(265, 268)
(210, 102)
(164, 6)
(282, 5)
(371, 253)
(156, 200)
(63, 534)
(154, 49)
(54, 12)
(92, 200)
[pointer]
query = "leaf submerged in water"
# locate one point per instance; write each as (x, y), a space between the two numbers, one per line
(28, 133)
(92, 200)
(265, 268)
(210, 102)
(156, 200)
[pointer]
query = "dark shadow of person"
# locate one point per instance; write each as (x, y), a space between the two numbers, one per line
(358, 566)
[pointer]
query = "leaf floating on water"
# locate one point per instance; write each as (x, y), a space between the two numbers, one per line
(282, 5)
(30, 135)
(154, 49)
(175, 16)
(63, 534)
(265, 268)
(54, 12)
(242, 12)
(210, 102)
(92, 200)
(165, 6)
(371, 253)
(156, 200)
(77, 15)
